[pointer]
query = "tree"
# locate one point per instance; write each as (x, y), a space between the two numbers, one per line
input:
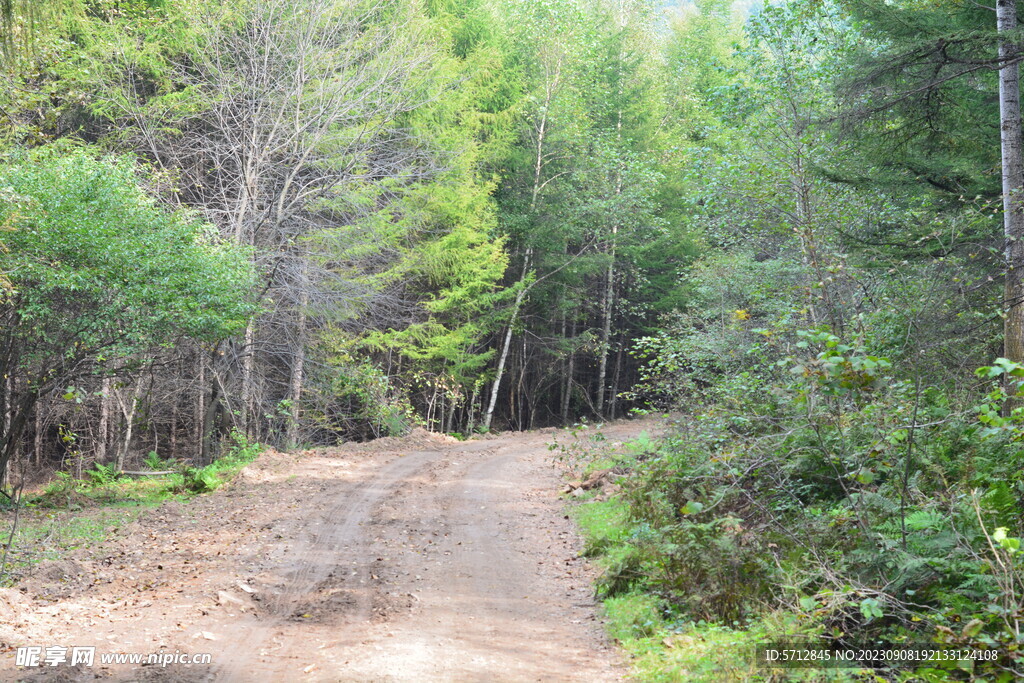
(1012, 177)
(548, 67)
(435, 258)
(280, 126)
(928, 95)
(591, 109)
(99, 274)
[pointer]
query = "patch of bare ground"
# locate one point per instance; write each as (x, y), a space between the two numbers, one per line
(420, 558)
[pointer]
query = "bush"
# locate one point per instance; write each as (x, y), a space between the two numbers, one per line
(154, 462)
(354, 399)
(836, 492)
(199, 479)
(102, 475)
(209, 478)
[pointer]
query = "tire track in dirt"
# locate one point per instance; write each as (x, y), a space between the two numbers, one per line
(485, 608)
(413, 559)
(315, 563)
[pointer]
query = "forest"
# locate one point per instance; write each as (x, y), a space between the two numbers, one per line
(796, 225)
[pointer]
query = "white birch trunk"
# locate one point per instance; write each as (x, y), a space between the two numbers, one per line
(1013, 181)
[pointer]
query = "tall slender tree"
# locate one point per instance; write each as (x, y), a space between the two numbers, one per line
(1012, 177)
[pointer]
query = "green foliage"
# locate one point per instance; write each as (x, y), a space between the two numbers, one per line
(1001, 413)
(154, 462)
(355, 399)
(664, 644)
(101, 475)
(64, 489)
(96, 272)
(86, 240)
(199, 480)
(735, 304)
(632, 616)
(836, 492)
(790, 224)
(661, 653)
(832, 467)
(103, 486)
(604, 524)
(933, 122)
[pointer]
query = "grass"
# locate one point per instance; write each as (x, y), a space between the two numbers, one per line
(664, 647)
(46, 534)
(586, 450)
(665, 652)
(67, 493)
(75, 513)
(604, 525)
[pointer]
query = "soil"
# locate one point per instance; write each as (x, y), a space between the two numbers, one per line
(414, 559)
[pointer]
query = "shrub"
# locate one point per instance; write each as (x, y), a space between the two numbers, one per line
(101, 475)
(837, 492)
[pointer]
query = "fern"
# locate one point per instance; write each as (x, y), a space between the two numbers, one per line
(922, 520)
(1000, 501)
(103, 474)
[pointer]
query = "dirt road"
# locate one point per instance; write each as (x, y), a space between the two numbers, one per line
(415, 559)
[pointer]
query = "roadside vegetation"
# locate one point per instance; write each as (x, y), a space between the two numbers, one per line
(846, 464)
(836, 503)
(70, 513)
(797, 224)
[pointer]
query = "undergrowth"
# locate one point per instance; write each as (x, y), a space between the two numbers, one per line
(832, 501)
(71, 513)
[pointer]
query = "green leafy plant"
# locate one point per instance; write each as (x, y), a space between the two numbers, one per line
(101, 475)
(154, 462)
(200, 479)
(63, 486)
(1003, 412)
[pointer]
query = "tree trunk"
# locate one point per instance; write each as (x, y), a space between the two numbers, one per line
(1013, 182)
(507, 343)
(295, 394)
(13, 431)
(209, 421)
(564, 386)
(442, 412)
(248, 380)
(106, 401)
(8, 402)
(199, 417)
(471, 413)
(608, 301)
(804, 230)
(37, 443)
(9, 390)
(174, 429)
(613, 398)
(450, 422)
(129, 417)
(550, 90)
(609, 292)
(513, 405)
(569, 372)
(298, 368)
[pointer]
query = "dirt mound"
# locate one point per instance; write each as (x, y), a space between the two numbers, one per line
(416, 440)
(51, 576)
(271, 465)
